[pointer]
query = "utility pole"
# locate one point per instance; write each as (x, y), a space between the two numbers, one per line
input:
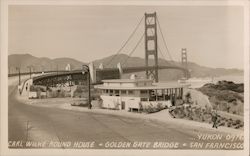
(86, 70)
(56, 73)
(19, 75)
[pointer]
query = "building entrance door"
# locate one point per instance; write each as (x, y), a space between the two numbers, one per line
(123, 104)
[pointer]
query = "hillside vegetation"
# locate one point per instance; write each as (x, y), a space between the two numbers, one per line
(225, 99)
(225, 96)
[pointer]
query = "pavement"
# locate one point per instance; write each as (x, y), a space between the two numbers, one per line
(163, 116)
(81, 128)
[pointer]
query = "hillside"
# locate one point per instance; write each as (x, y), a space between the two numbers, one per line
(39, 64)
(225, 96)
(169, 74)
(25, 60)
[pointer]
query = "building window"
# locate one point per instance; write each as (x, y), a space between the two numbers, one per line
(144, 92)
(117, 93)
(111, 92)
(106, 91)
(152, 92)
(123, 92)
(144, 99)
(130, 92)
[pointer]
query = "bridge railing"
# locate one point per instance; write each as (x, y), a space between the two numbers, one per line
(37, 72)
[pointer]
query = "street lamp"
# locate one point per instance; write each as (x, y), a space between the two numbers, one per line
(85, 69)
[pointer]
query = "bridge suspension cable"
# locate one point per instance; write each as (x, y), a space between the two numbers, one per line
(164, 41)
(133, 50)
(149, 21)
(137, 44)
(164, 58)
(125, 43)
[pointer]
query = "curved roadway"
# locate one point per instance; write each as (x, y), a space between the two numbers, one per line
(53, 125)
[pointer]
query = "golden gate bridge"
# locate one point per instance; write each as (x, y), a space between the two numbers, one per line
(150, 36)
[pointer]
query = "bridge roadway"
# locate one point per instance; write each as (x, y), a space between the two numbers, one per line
(101, 74)
(38, 124)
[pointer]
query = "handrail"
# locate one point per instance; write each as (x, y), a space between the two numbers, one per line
(24, 84)
(27, 73)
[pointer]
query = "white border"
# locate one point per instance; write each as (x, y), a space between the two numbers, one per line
(4, 80)
(129, 2)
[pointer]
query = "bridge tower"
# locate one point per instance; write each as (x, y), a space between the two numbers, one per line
(151, 45)
(184, 61)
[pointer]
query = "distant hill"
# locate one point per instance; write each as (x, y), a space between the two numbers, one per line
(39, 64)
(25, 60)
(168, 74)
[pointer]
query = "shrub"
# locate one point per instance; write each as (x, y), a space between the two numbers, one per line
(149, 109)
(222, 124)
(37, 88)
(238, 121)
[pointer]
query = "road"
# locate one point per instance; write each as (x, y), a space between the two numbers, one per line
(56, 128)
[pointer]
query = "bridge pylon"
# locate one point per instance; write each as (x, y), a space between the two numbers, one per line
(151, 45)
(184, 62)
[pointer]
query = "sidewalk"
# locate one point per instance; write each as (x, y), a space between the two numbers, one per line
(162, 116)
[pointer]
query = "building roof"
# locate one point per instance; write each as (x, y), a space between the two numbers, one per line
(126, 80)
(154, 86)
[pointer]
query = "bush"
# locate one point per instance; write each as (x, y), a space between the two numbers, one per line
(37, 88)
(222, 124)
(238, 121)
(179, 112)
(149, 109)
(203, 115)
(153, 108)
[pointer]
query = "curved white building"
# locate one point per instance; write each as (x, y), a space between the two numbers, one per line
(134, 94)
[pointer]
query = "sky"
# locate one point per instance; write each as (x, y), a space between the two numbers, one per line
(213, 35)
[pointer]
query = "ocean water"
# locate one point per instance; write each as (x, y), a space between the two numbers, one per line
(233, 78)
(199, 82)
